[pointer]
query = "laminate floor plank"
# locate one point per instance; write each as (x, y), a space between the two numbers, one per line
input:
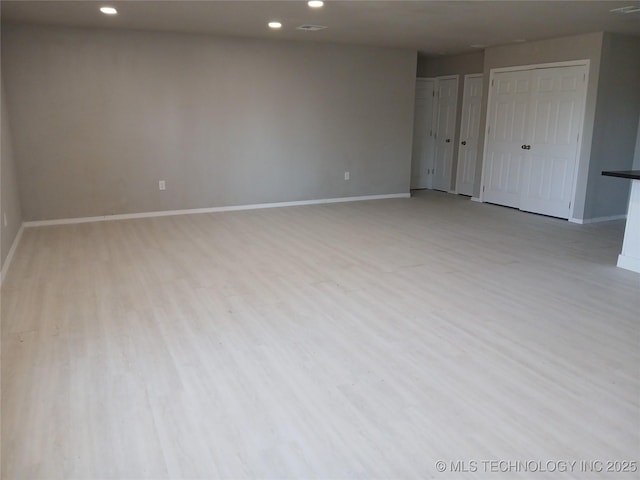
(356, 340)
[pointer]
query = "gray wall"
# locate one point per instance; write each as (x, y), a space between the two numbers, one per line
(579, 47)
(451, 65)
(636, 157)
(616, 125)
(460, 65)
(99, 116)
(9, 201)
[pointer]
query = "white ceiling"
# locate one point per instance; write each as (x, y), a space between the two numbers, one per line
(431, 27)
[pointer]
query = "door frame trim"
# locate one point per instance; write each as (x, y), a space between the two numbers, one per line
(538, 66)
(464, 85)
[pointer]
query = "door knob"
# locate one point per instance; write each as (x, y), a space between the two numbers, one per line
(523, 147)
(448, 140)
(528, 147)
(464, 142)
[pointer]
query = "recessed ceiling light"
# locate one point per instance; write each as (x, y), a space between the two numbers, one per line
(315, 3)
(478, 45)
(630, 9)
(275, 25)
(108, 10)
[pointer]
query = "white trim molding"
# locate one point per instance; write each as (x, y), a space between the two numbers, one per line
(537, 66)
(584, 221)
(12, 251)
(166, 213)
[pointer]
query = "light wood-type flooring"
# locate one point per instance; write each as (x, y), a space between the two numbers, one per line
(356, 340)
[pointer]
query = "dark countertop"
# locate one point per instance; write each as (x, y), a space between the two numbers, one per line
(632, 174)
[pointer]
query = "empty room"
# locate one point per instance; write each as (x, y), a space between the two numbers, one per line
(332, 240)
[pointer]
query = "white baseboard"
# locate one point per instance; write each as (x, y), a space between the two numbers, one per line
(476, 199)
(190, 211)
(12, 251)
(583, 221)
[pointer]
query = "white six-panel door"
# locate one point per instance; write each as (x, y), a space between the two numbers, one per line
(423, 134)
(555, 122)
(507, 132)
(445, 132)
(534, 121)
(469, 134)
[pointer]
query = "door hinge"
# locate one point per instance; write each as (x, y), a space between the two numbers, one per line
(578, 137)
(483, 189)
(433, 94)
(569, 204)
(584, 77)
(492, 82)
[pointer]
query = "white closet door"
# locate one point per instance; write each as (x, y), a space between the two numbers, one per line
(445, 132)
(507, 132)
(423, 141)
(469, 133)
(555, 122)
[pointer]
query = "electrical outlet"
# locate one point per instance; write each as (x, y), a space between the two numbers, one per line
(162, 185)
(4, 219)
(347, 175)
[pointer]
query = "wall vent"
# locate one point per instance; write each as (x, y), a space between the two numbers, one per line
(311, 28)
